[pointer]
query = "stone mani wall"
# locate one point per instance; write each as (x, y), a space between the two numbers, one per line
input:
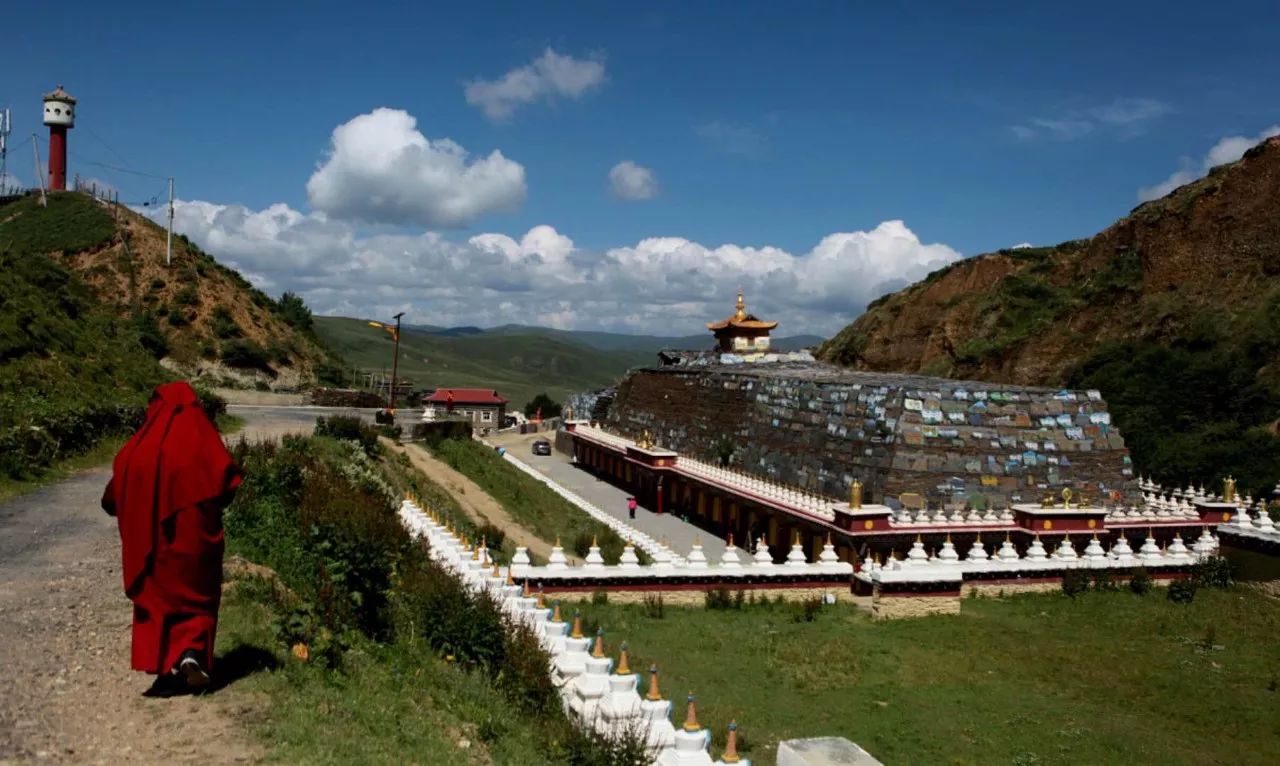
(819, 426)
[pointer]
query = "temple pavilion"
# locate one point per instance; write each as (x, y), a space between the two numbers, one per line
(742, 333)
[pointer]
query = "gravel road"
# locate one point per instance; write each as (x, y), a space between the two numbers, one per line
(67, 694)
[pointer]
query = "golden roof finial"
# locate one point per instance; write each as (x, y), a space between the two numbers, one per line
(541, 603)
(741, 306)
(527, 592)
(598, 650)
(855, 494)
(731, 745)
(654, 694)
(555, 613)
(577, 625)
(623, 668)
(594, 544)
(691, 716)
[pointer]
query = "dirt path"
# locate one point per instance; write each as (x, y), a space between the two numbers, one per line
(67, 694)
(474, 501)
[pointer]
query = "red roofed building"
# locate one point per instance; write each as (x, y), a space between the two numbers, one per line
(484, 407)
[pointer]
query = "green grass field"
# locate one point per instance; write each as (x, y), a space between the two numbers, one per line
(1108, 678)
(517, 366)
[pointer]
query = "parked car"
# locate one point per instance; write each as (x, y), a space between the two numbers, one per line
(541, 447)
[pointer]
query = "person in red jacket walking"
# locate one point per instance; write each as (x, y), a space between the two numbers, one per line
(169, 485)
(631, 507)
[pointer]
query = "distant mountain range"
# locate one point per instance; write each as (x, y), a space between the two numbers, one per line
(519, 361)
(612, 341)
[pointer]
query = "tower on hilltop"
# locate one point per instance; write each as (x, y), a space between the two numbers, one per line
(60, 116)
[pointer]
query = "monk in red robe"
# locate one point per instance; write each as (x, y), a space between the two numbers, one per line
(169, 485)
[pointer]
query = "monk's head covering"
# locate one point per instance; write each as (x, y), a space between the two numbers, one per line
(176, 460)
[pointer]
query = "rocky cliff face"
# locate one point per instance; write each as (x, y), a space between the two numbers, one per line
(1173, 312)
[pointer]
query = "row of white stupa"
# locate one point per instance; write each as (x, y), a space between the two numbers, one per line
(595, 692)
(946, 563)
(731, 563)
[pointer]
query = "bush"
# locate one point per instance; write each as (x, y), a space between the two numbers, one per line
(349, 428)
(1212, 572)
(149, 335)
(653, 606)
(807, 610)
(435, 433)
(1075, 582)
(492, 534)
(720, 598)
(187, 296)
(223, 325)
(245, 354)
(213, 405)
(1140, 582)
(1182, 591)
(1105, 581)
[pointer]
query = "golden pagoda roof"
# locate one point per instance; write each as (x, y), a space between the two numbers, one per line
(741, 319)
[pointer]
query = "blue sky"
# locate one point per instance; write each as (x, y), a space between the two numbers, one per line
(770, 126)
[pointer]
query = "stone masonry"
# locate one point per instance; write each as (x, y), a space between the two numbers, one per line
(819, 426)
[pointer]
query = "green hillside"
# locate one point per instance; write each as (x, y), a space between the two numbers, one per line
(519, 366)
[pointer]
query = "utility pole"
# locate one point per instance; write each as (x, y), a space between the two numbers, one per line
(395, 366)
(6, 124)
(35, 146)
(168, 253)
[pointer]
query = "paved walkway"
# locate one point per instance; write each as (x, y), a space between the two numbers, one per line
(680, 535)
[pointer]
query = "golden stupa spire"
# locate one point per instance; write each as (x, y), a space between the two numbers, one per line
(731, 745)
(741, 306)
(577, 625)
(598, 650)
(653, 694)
(691, 716)
(623, 668)
(555, 613)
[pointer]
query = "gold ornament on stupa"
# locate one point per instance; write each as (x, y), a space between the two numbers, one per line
(855, 494)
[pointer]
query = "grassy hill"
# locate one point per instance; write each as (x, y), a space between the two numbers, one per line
(1173, 313)
(519, 366)
(204, 319)
(91, 319)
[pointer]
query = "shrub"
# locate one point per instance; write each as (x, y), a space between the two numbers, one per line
(1075, 582)
(435, 433)
(212, 404)
(1140, 582)
(149, 335)
(1212, 572)
(244, 354)
(492, 535)
(349, 428)
(599, 597)
(187, 296)
(1182, 591)
(223, 325)
(807, 610)
(653, 607)
(1105, 581)
(719, 598)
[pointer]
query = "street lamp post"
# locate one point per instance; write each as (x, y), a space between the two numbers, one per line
(395, 360)
(395, 366)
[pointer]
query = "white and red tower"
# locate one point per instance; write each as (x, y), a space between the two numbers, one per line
(60, 116)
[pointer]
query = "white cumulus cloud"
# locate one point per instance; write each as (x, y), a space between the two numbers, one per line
(660, 285)
(382, 169)
(551, 75)
(630, 181)
(1228, 149)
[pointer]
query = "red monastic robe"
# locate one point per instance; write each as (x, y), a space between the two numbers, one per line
(169, 485)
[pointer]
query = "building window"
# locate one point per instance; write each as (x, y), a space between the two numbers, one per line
(487, 416)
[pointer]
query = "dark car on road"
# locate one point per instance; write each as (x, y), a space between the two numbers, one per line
(542, 447)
